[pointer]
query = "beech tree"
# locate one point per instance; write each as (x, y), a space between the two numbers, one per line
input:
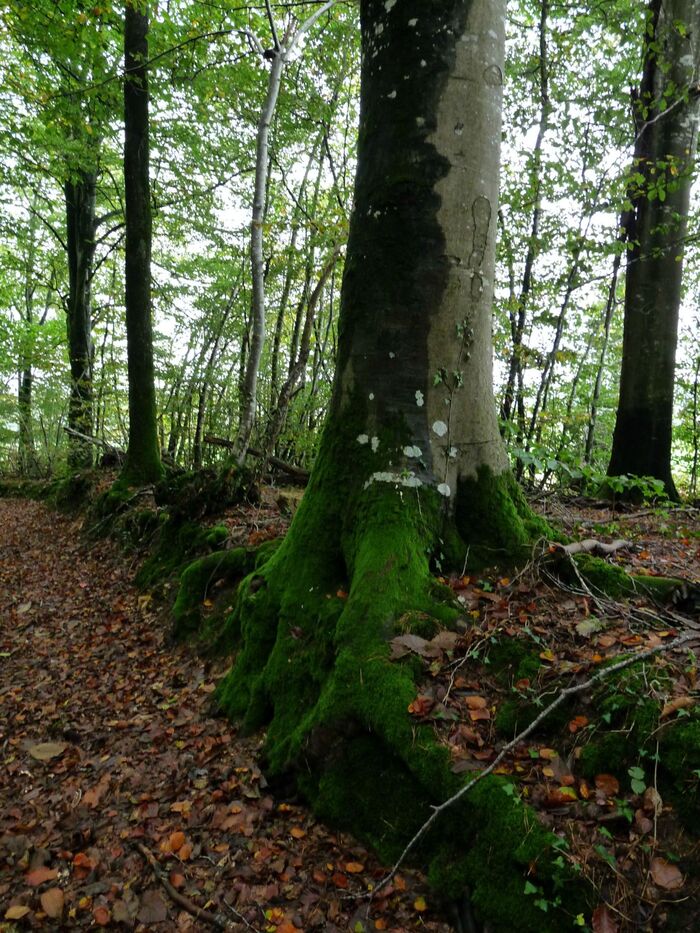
(143, 458)
(666, 113)
(411, 467)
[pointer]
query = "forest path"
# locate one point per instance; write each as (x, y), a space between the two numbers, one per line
(107, 748)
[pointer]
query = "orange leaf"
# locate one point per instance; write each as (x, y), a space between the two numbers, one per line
(185, 851)
(399, 883)
(16, 912)
(354, 868)
(380, 924)
(177, 880)
(52, 903)
(287, 927)
(475, 702)
(421, 706)
(578, 722)
(102, 916)
(339, 880)
(420, 905)
(297, 832)
(477, 714)
(608, 784)
(177, 840)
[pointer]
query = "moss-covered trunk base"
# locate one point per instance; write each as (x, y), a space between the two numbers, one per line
(312, 624)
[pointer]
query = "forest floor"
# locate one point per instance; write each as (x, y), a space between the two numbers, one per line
(109, 751)
(125, 803)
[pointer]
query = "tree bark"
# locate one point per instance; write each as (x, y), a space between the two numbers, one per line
(81, 228)
(411, 468)
(143, 457)
(667, 123)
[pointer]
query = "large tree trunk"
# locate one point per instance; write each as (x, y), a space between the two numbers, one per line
(143, 458)
(411, 465)
(81, 226)
(667, 123)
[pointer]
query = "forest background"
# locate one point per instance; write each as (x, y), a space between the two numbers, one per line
(569, 135)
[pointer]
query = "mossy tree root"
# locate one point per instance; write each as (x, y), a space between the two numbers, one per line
(313, 622)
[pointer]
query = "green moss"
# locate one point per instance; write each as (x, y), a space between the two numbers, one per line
(615, 582)
(679, 762)
(216, 536)
(514, 659)
(72, 493)
(196, 581)
(495, 521)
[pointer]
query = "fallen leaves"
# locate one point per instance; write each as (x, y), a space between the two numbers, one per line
(46, 751)
(52, 902)
(666, 875)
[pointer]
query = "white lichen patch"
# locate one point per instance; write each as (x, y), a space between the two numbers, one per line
(379, 29)
(371, 396)
(410, 480)
(452, 452)
(363, 438)
(440, 428)
(392, 355)
(392, 95)
(420, 121)
(412, 22)
(419, 398)
(374, 443)
(389, 5)
(423, 63)
(444, 490)
(412, 451)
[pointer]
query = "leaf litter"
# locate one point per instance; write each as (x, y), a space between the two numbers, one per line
(108, 749)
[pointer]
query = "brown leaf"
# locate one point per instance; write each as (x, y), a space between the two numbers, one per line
(176, 841)
(52, 903)
(339, 880)
(153, 909)
(404, 644)
(45, 751)
(603, 920)
(16, 912)
(666, 875)
(40, 875)
(675, 704)
(478, 714)
(354, 868)
(421, 706)
(476, 702)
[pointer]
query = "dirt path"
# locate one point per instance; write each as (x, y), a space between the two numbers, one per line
(107, 749)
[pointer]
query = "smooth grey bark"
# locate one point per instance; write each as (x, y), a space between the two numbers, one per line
(279, 55)
(666, 112)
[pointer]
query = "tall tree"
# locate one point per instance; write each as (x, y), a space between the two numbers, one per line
(666, 112)
(411, 466)
(143, 456)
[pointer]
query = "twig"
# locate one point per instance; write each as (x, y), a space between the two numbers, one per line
(215, 920)
(557, 701)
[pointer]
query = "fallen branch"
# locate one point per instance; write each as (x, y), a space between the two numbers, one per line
(215, 920)
(557, 701)
(299, 473)
(592, 546)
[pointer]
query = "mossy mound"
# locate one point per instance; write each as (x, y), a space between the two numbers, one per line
(192, 496)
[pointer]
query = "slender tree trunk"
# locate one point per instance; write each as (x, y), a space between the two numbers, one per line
(518, 316)
(595, 397)
(696, 444)
(257, 337)
(667, 123)
(81, 227)
(143, 456)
